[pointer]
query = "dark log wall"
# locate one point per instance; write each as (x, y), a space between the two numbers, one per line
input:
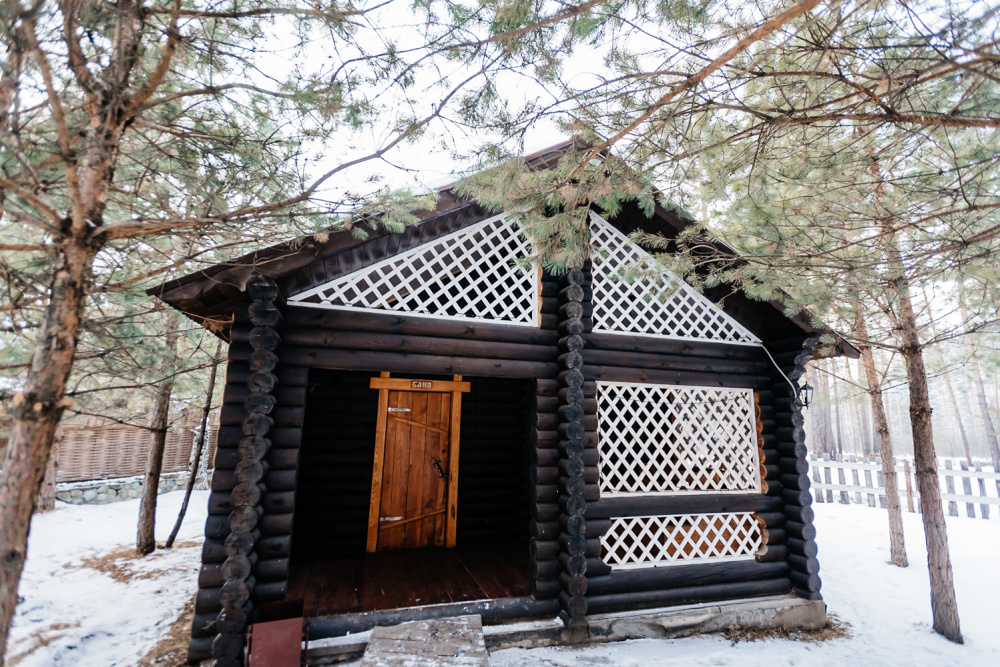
(523, 476)
(334, 483)
(272, 547)
(792, 354)
(630, 358)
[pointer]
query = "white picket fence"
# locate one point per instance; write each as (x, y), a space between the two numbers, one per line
(850, 479)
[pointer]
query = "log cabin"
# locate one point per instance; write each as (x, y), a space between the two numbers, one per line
(413, 425)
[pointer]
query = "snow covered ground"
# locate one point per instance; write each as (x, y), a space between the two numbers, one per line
(87, 600)
(888, 608)
(74, 614)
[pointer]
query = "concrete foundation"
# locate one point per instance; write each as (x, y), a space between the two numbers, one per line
(780, 611)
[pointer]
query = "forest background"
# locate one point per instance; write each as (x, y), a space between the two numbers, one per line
(846, 151)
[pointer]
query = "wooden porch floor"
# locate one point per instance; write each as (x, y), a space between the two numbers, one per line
(361, 582)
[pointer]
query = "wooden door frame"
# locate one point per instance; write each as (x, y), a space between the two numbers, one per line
(385, 384)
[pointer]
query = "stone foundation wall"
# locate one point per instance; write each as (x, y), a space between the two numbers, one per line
(101, 491)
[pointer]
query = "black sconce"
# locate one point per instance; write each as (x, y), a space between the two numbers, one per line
(805, 395)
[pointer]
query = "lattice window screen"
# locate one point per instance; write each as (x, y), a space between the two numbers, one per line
(469, 274)
(667, 438)
(645, 541)
(666, 306)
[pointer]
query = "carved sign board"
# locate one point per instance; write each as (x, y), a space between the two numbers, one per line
(421, 384)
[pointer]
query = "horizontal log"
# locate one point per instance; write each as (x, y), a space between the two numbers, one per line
(654, 345)
(680, 576)
(398, 323)
(208, 600)
(217, 525)
(801, 531)
(287, 396)
(275, 546)
(551, 387)
(543, 549)
(220, 502)
(411, 344)
(773, 554)
(796, 481)
(199, 650)
(805, 548)
(776, 536)
(623, 506)
(806, 582)
(643, 375)
(803, 564)
(283, 459)
(289, 376)
(544, 531)
(796, 451)
(282, 437)
(615, 602)
(670, 362)
(281, 480)
(413, 363)
(271, 569)
(276, 524)
(210, 575)
(546, 589)
(223, 480)
(797, 465)
(271, 591)
(278, 502)
(772, 519)
(800, 513)
(203, 625)
(796, 496)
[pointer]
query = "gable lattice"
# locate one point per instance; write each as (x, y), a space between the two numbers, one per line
(665, 306)
(668, 439)
(645, 541)
(469, 274)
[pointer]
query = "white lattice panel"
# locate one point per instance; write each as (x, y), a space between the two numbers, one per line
(665, 306)
(469, 274)
(648, 541)
(668, 438)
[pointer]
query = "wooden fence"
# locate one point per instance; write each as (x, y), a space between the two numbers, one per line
(973, 491)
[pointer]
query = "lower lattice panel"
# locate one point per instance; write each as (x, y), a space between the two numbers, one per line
(646, 541)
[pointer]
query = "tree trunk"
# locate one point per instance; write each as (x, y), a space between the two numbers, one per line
(145, 541)
(977, 383)
(897, 544)
(36, 412)
(944, 607)
(836, 412)
(857, 420)
(47, 495)
(199, 446)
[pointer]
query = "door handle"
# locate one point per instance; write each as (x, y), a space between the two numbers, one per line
(399, 409)
(437, 464)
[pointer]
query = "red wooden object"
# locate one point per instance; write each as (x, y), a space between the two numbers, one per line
(276, 644)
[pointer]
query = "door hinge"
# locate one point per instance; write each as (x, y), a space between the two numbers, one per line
(399, 409)
(390, 518)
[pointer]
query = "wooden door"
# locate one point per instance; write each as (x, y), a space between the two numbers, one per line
(415, 474)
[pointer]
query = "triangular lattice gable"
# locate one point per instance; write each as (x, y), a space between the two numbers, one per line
(469, 274)
(667, 307)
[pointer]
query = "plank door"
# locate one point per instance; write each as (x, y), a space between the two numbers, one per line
(415, 470)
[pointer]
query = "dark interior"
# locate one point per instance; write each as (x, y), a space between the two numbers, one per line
(338, 445)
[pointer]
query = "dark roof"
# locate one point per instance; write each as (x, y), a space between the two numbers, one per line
(211, 295)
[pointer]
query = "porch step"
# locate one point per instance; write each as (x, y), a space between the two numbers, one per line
(447, 642)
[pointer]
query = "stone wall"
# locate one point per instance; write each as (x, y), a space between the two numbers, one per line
(101, 491)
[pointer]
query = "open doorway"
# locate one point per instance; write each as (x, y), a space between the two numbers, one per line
(330, 568)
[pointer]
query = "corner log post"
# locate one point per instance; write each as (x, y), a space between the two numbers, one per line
(572, 485)
(238, 586)
(802, 561)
